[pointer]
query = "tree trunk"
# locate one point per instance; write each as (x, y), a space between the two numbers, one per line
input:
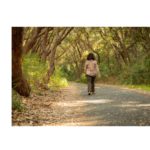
(51, 65)
(60, 35)
(19, 83)
(32, 40)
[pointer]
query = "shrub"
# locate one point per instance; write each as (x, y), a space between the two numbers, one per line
(34, 68)
(138, 73)
(82, 79)
(58, 79)
(16, 101)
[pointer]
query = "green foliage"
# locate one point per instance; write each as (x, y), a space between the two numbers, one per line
(141, 87)
(67, 71)
(105, 72)
(83, 79)
(138, 73)
(58, 79)
(34, 69)
(120, 51)
(16, 101)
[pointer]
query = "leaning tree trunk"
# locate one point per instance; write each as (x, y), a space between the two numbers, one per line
(19, 83)
(59, 37)
(51, 65)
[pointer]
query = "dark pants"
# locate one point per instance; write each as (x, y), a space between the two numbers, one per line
(91, 83)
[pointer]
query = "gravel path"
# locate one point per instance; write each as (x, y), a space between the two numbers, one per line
(110, 106)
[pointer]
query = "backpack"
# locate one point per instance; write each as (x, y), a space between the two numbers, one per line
(91, 68)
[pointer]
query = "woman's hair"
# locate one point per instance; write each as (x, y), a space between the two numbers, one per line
(90, 56)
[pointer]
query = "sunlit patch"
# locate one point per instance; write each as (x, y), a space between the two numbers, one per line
(97, 101)
(70, 104)
(143, 105)
(84, 123)
(84, 102)
(134, 105)
(132, 102)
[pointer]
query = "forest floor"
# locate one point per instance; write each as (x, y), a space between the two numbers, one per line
(71, 106)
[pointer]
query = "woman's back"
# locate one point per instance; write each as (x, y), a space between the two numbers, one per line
(91, 67)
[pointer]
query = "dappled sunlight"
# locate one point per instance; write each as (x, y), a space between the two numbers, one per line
(143, 105)
(83, 102)
(55, 68)
(97, 101)
(83, 123)
(70, 104)
(134, 105)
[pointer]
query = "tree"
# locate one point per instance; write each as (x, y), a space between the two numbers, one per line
(19, 83)
(60, 35)
(31, 39)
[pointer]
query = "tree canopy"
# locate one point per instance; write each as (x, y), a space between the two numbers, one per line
(122, 52)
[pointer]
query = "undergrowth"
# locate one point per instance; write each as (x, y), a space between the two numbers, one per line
(35, 70)
(16, 102)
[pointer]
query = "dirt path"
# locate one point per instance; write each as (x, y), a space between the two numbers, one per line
(110, 106)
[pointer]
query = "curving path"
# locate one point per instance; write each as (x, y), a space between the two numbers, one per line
(110, 106)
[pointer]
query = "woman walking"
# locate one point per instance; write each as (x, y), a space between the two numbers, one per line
(91, 71)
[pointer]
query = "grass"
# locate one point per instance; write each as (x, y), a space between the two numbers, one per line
(114, 81)
(141, 87)
(16, 102)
